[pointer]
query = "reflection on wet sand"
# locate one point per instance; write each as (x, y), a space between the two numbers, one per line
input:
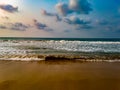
(67, 75)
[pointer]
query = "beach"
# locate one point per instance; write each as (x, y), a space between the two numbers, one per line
(63, 75)
(59, 64)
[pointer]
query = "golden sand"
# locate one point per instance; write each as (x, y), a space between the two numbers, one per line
(17, 75)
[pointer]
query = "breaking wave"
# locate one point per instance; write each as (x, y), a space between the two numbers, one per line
(28, 50)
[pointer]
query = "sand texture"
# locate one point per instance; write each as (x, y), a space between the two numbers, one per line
(50, 75)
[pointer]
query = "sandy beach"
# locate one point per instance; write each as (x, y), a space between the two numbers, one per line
(18, 75)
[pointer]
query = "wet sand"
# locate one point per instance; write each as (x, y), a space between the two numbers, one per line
(17, 75)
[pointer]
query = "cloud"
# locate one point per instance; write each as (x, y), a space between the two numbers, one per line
(74, 6)
(76, 21)
(9, 8)
(41, 26)
(45, 13)
(80, 6)
(63, 9)
(15, 26)
(19, 26)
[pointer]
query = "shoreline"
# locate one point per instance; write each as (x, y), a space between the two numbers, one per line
(82, 57)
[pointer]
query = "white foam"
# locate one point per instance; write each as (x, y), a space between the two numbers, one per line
(110, 61)
(15, 47)
(22, 59)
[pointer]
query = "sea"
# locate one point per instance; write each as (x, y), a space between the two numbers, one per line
(37, 49)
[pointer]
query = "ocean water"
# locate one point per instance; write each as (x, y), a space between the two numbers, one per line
(29, 48)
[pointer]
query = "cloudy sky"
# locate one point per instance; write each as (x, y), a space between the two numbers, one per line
(60, 18)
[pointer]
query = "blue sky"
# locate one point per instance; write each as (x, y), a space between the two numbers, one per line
(60, 18)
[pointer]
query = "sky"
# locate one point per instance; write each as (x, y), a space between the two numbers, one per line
(60, 18)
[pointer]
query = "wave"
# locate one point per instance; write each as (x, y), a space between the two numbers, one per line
(31, 50)
(14, 46)
(80, 58)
